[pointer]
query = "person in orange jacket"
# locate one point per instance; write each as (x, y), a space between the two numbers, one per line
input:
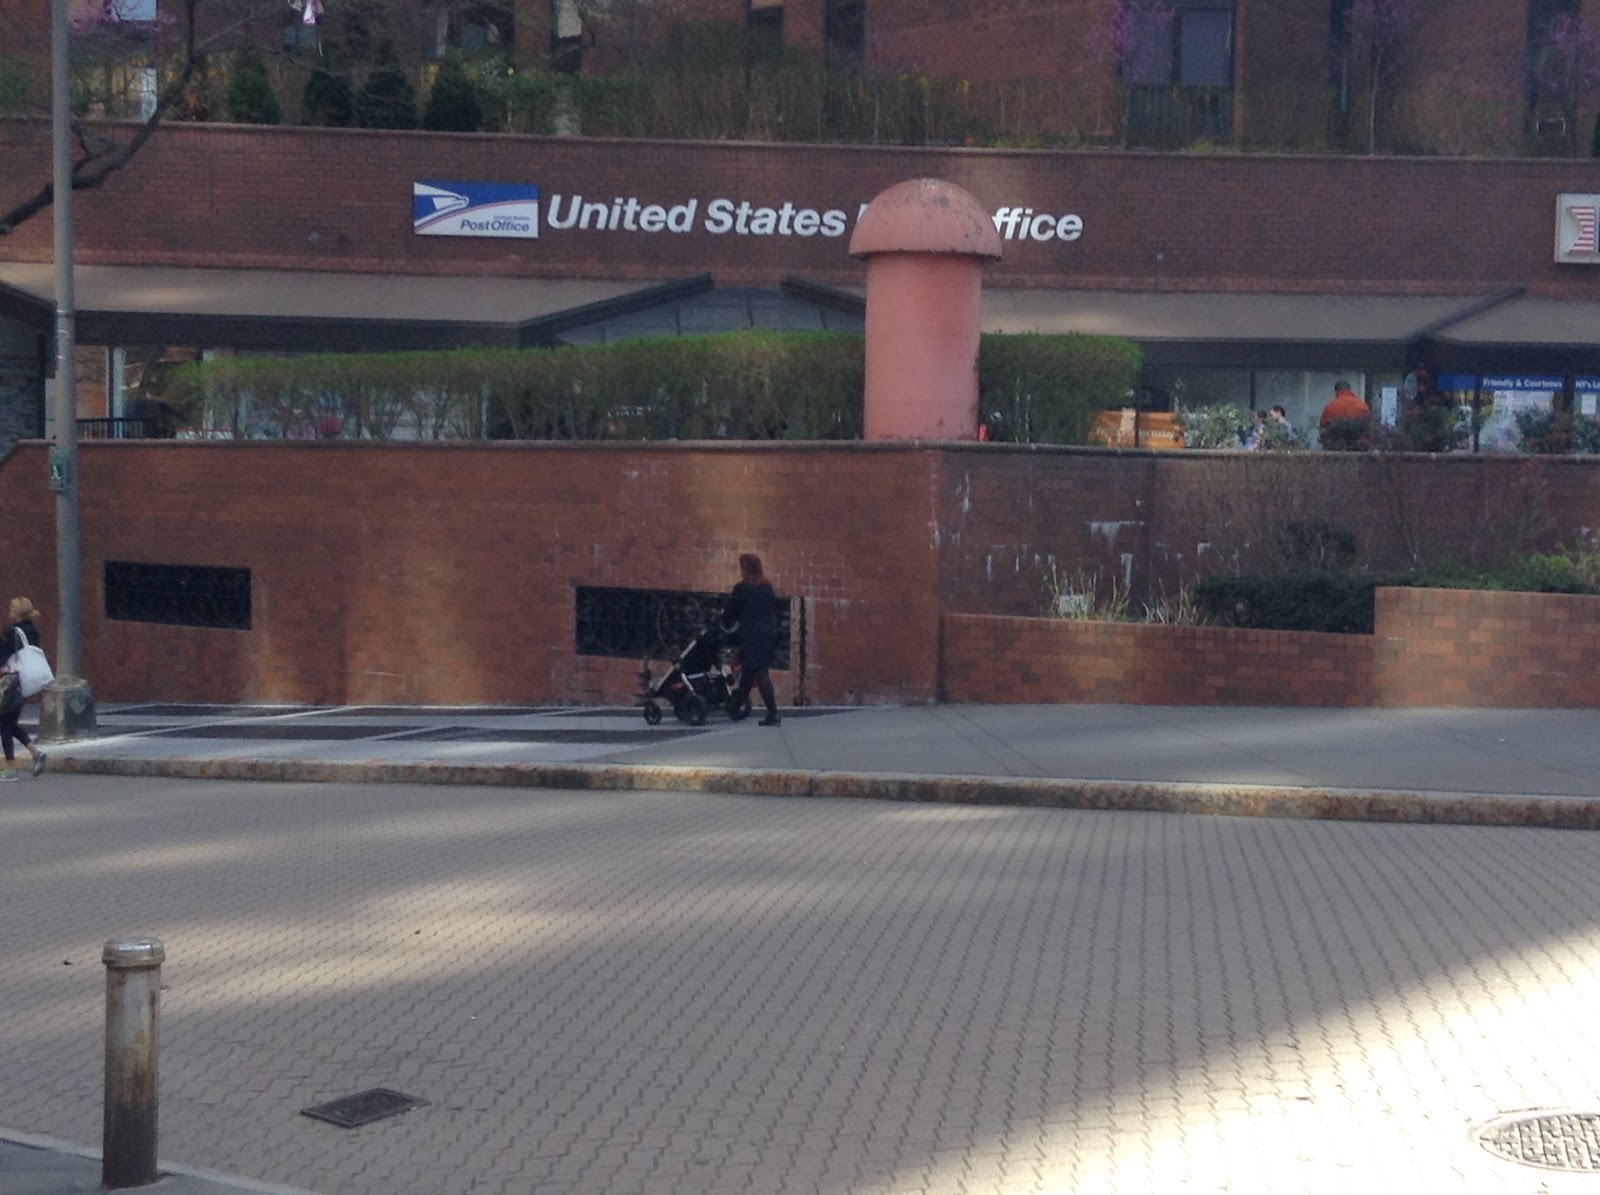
(1346, 404)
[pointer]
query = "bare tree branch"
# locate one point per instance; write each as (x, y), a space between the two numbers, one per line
(99, 157)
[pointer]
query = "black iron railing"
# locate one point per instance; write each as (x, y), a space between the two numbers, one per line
(122, 428)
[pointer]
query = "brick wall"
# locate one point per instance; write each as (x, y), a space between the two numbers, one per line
(1149, 521)
(247, 197)
(1470, 648)
(446, 572)
(1002, 660)
(1430, 648)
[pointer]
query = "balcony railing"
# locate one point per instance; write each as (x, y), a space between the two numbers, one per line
(122, 428)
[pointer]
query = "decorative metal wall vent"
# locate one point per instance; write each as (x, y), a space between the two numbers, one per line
(657, 624)
(1552, 1140)
(178, 594)
(353, 1111)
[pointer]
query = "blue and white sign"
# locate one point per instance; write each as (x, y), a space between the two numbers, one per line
(1542, 385)
(475, 209)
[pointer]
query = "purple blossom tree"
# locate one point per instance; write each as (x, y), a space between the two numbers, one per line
(111, 26)
(1133, 37)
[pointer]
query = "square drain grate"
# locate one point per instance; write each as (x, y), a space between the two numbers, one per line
(353, 1111)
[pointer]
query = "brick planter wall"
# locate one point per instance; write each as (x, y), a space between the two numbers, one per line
(1452, 647)
(1431, 647)
(1044, 660)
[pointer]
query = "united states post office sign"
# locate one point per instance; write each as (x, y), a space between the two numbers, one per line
(448, 209)
(1577, 229)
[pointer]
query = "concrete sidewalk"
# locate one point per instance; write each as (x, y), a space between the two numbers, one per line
(1499, 767)
(31, 1165)
(1503, 767)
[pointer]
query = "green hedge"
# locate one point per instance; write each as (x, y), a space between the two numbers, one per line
(741, 386)
(1048, 389)
(1308, 602)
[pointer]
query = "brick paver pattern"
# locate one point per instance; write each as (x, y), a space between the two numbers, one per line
(666, 993)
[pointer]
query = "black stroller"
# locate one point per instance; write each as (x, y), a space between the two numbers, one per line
(703, 676)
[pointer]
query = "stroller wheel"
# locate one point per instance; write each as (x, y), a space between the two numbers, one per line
(694, 710)
(739, 710)
(680, 710)
(652, 713)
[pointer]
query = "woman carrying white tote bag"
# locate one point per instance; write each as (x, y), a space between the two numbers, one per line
(27, 672)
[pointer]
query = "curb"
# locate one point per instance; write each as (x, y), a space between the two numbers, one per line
(1366, 805)
(171, 1176)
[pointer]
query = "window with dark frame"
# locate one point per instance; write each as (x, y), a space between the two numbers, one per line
(844, 32)
(653, 624)
(566, 37)
(1180, 75)
(178, 594)
(1547, 72)
(1341, 46)
(765, 22)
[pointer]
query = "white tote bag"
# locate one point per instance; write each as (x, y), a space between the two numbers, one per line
(32, 668)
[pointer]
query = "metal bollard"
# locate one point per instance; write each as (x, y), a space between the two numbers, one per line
(133, 1000)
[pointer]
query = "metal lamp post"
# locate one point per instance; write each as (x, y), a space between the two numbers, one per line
(67, 706)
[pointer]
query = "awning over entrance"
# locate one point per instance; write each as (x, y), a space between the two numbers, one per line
(1258, 330)
(310, 311)
(1522, 335)
(1209, 328)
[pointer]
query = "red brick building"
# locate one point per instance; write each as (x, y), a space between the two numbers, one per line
(1254, 278)
(1248, 278)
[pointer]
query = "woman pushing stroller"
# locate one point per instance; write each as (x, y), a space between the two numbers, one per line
(753, 607)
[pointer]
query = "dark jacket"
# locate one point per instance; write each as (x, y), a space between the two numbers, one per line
(755, 609)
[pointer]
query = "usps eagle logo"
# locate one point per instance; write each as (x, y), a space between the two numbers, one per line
(475, 209)
(1578, 228)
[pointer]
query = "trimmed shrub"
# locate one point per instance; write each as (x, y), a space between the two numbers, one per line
(327, 101)
(1346, 435)
(453, 105)
(1307, 602)
(1038, 389)
(386, 100)
(250, 99)
(738, 386)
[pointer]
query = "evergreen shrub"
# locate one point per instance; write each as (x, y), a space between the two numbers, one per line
(250, 99)
(453, 105)
(327, 100)
(1302, 602)
(386, 100)
(1048, 389)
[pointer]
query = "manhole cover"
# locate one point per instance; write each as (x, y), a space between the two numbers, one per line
(353, 1111)
(1550, 1140)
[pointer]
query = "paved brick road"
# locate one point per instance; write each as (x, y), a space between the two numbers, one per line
(675, 993)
